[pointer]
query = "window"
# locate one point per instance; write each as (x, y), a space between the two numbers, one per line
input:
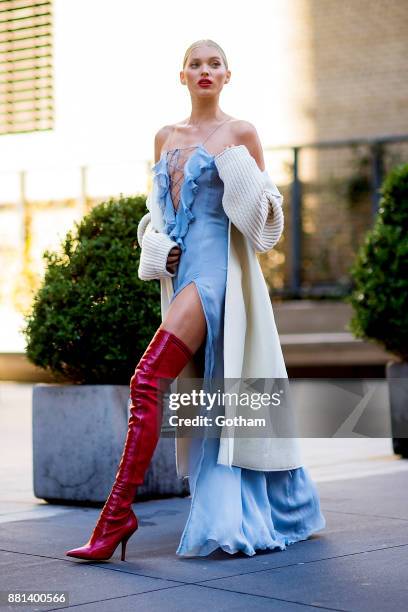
(26, 78)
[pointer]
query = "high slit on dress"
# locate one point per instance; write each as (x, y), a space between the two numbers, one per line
(232, 508)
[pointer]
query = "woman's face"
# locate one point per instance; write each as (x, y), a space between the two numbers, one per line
(204, 62)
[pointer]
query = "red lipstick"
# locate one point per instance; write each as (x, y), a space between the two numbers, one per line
(205, 82)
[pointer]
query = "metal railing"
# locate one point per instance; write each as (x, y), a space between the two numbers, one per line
(377, 147)
(318, 244)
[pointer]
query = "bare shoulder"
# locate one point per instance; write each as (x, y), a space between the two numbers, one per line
(245, 133)
(160, 138)
(242, 128)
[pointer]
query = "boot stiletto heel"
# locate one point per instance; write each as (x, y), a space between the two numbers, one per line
(162, 362)
(124, 542)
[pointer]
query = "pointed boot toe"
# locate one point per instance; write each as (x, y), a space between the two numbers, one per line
(163, 360)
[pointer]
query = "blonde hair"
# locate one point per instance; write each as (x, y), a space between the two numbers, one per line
(209, 42)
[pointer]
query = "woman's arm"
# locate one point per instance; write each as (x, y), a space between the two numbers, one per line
(251, 199)
(155, 249)
(155, 246)
(247, 135)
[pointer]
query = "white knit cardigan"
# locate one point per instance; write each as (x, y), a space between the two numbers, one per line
(251, 201)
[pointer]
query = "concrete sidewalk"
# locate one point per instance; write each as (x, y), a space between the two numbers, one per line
(359, 562)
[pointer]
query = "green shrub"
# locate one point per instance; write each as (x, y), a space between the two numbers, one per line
(92, 318)
(380, 271)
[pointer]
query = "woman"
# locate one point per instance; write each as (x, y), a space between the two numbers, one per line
(233, 507)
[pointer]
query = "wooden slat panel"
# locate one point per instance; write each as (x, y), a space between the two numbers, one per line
(26, 78)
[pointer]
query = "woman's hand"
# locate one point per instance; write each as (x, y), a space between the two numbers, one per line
(173, 259)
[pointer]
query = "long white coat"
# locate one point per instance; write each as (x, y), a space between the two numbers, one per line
(251, 347)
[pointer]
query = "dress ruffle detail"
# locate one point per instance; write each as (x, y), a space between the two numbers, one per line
(238, 509)
(176, 222)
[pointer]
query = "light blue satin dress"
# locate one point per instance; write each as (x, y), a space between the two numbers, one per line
(232, 508)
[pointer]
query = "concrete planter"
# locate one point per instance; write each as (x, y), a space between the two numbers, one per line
(78, 436)
(397, 376)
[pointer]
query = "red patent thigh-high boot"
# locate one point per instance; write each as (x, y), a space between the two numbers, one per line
(164, 358)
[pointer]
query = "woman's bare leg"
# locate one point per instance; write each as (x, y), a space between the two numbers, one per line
(186, 319)
(165, 358)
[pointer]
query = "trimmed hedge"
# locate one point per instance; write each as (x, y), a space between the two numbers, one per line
(92, 318)
(380, 271)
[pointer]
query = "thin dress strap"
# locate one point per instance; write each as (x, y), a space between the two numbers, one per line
(176, 160)
(171, 136)
(211, 133)
(190, 146)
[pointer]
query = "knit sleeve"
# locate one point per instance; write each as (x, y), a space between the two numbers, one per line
(142, 226)
(155, 248)
(251, 199)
